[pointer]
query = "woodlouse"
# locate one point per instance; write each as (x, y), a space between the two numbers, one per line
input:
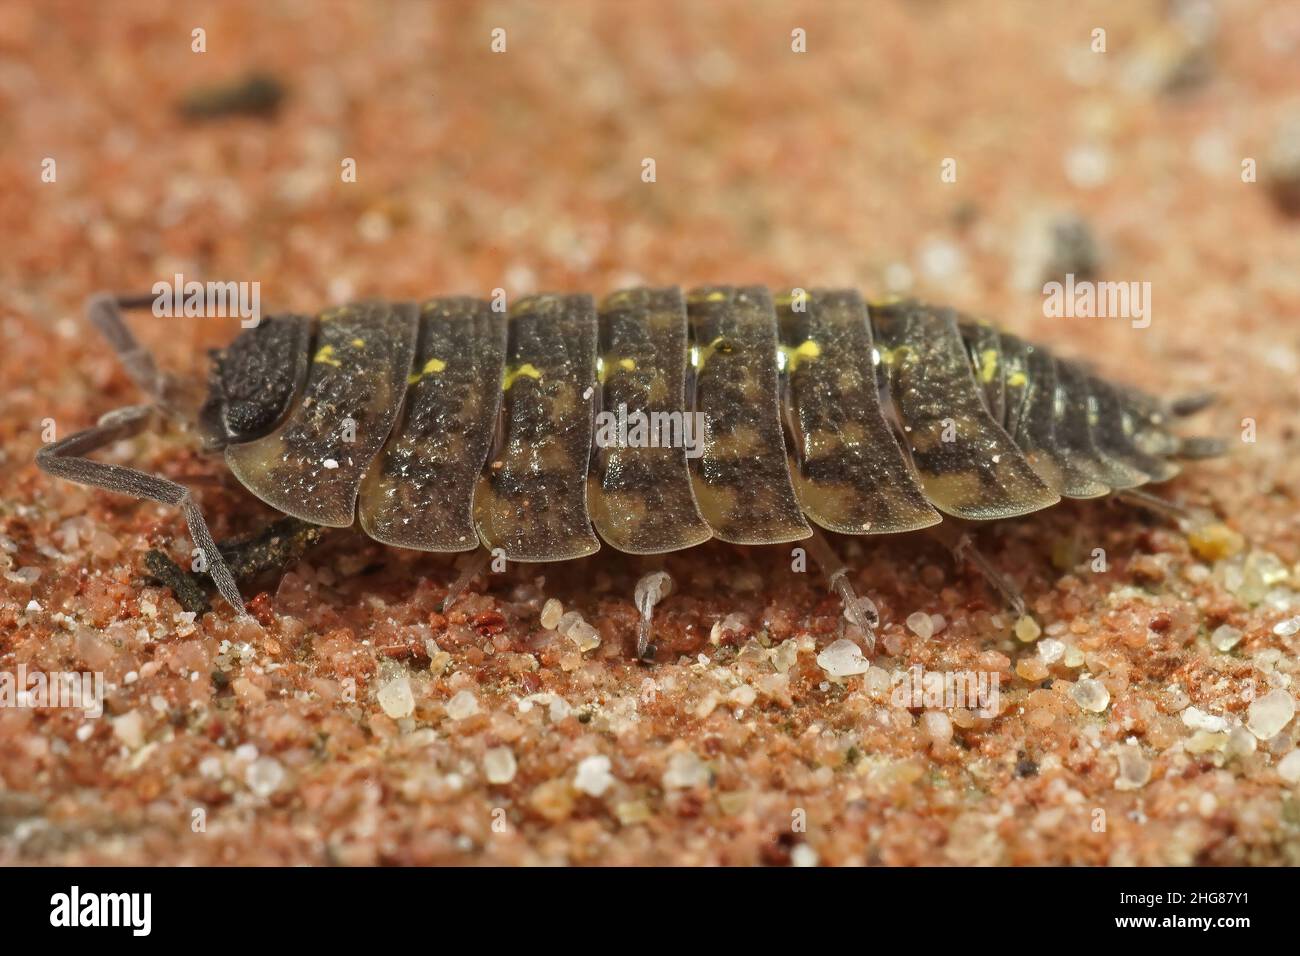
(452, 424)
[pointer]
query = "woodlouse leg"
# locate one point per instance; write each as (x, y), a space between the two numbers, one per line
(1186, 518)
(471, 567)
(650, 590)
(68, 459)
(861, 612)
(961, 544)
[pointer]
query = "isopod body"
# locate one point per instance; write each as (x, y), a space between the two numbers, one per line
(653, 423)
(447, 424)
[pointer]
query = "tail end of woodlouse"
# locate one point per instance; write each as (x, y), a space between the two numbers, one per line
(1191, 404)
(1201, 446)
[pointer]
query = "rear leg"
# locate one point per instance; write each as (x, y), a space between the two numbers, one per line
(650, 590)
(860, 612)
(68, 459)
(472, 564)
(1182, 515)
(961, 544)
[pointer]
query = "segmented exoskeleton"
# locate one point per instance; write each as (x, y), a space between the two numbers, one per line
(450, 424)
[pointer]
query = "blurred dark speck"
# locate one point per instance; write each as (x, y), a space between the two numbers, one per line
(1283, 167)
(256, 94)
(1073, 250)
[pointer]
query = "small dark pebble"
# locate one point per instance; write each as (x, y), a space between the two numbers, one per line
(1024, 766)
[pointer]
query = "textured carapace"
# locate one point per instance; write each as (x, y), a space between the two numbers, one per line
(450, 423)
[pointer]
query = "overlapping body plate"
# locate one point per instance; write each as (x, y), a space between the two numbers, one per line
(1037, 434)
(851, 474)
(311, 466)
(1073, 426)
(641, 497)
(969, 466)
(419, 492)
(985, 348)
(532, 503)
(1015, 381)
(742, 478)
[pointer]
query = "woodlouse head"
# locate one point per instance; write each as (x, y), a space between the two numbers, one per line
(253, 382)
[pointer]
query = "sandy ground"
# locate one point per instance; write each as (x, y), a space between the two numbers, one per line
(356, 724)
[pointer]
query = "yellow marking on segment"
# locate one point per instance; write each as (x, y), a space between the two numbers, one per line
(696, 297)
(892, 356)
(988, 365)
(603, 368)
(333, 313)
(806, 352)
(431, 367)
(701, 355)
(1017, 379)
(527, 370)
(358, 343)
(326, 356)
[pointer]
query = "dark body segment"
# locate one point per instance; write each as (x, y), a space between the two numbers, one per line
(852, 476)
(1036, 434)
(1113, 431)
(311, 466)
(532, 503)
(968, 465)
(1073, 428)
(640, 489)
(742, 479)
(419, 493)
(985, 348)
(1015, 381)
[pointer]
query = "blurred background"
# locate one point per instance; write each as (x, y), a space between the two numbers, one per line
(524, 168)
